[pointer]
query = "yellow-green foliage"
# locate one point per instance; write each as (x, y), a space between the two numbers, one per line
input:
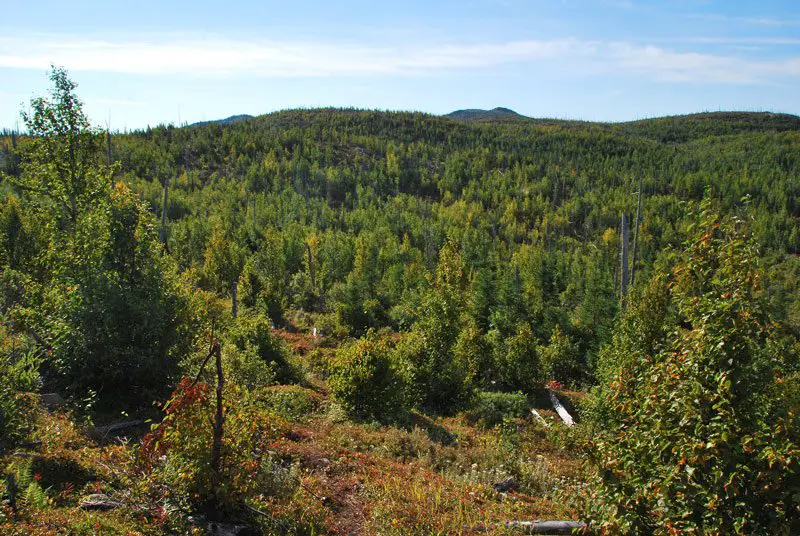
(367, 383)
(289, 402)
(695, 440)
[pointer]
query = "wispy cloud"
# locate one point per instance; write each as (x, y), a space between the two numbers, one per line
(757, 41)
(230, 57)
(754, 20)
(226, 58)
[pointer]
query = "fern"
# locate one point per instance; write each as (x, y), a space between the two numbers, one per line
(35, 496)
(20, 477)
(22, 473)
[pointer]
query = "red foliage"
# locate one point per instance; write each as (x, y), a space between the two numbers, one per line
(555, 385)
(185, 396)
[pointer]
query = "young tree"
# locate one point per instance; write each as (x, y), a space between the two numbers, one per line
(442, 381)
(62, 161)
(110, 305)
(699, 435)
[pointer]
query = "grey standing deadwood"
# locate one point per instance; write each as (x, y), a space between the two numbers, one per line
(636, 230)
(163, 233)
(108, 146)
(623, 279)
(311, 267)
(234, 298)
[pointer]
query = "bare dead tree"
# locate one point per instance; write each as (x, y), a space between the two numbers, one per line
(636, 230)
(623, 280)
(163, 231)
(219, 416)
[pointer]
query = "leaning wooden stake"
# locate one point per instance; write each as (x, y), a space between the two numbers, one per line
(561, 410)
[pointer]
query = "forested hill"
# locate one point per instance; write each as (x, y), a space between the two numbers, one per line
(534, 206)
(495, 114)
(342, 214)
(688, 127)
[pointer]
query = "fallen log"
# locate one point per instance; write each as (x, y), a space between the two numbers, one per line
(560, 409)
(540, 418)
(553, 528)
(546, 527)
(101, 432)
(98, 501)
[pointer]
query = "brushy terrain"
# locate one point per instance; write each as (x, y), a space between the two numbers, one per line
(317, 471)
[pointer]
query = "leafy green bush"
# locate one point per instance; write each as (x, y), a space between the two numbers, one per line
(696, 440)
(113, 322)
(491, 408)
(254, 355)
(367, 383)
(19, 376)
(561, 359)
(516, 358)
(438, 380)
(290, 402)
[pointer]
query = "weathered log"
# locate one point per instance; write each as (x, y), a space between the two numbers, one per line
(553, 528)
(546, 527)
(100, 432)
(561, 410)
(98, 501)
(539, 417)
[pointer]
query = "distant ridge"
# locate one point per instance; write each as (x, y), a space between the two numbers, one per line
(496, 114)
(668, 129)
(227, 121)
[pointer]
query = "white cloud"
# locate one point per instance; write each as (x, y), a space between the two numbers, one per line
(228, 57)
(757, 21)
(765, 41)
(225, 58)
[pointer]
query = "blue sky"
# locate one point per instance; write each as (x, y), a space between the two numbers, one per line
(150, 62)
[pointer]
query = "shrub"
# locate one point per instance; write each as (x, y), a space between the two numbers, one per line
(473, 350)
(18, 376)
(696, 439)
(256, 356)
(516, 358)
(438, 380)
(176, 456)
(561, 359)
(290, 402)
(367, 383)
(112, 314)
(491, 408)
(442, 378)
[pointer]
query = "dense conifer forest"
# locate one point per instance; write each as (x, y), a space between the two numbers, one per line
(339, 320)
